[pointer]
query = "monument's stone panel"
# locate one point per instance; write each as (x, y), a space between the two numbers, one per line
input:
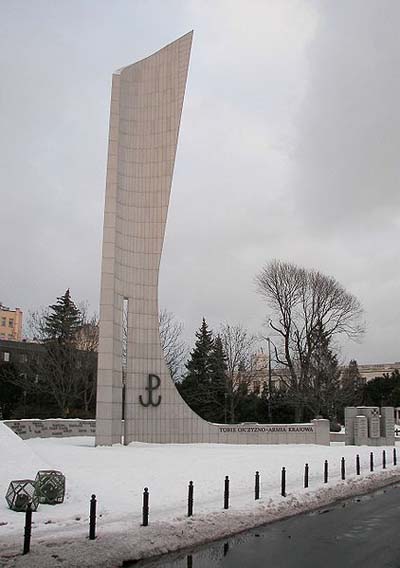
(374, 423)
(365, 425)
(51, 428)
(146, 105)
(361, 431)
(388, 424)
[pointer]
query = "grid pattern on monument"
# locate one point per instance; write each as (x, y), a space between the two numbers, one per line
(146, 106)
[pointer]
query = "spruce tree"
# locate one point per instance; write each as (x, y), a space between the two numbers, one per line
(352, 385)
(63, 320)
(198, 366)
(204, 385)
(218, 395)
(61, 360)
(195, 386)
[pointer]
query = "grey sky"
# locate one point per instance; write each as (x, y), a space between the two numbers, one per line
(288, 149)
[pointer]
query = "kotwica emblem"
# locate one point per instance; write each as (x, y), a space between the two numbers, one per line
(153, 383)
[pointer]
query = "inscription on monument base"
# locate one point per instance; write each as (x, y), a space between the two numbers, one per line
(360, 430)
(267, 429)
(374, 427)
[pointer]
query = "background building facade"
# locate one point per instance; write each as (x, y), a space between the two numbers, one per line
(10, 323)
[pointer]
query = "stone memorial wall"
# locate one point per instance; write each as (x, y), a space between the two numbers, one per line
(315, 432)
(52, 428)
(369, 426)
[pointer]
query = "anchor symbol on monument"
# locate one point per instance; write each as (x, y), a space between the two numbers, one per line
(153, 383)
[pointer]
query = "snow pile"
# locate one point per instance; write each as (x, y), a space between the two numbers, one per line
(118, 475)
(17, 459)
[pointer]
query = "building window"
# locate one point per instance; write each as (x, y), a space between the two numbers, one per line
(3, 322)
(10, 322)
(24, 358)
(6, 356)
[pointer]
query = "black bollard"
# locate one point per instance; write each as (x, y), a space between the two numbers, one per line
(145, 522)
(306, 476)
(326, 471)
(257, 486)
(343, 469)
(28, 529)
(190, 499)
(394, 457)
(383, 459)
(92, 518)
(226, 493)
(283, 482)
(358, 469)
(371, 461)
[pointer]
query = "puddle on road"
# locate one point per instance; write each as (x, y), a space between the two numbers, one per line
(210, 557)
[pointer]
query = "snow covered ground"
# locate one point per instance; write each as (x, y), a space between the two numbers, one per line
(118, 475)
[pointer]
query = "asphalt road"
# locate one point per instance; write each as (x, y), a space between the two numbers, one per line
(359, 533)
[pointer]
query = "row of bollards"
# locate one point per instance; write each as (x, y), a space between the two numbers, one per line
(343, 467)
(190, 499)
(226, 493)
(28, 529)
(257, 486)
(146, 509)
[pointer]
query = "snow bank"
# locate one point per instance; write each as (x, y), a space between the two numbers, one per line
(118, 475)
(17, 459)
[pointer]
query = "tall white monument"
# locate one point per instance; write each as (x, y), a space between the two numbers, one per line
(146, 106)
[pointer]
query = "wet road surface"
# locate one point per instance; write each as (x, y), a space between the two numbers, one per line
(360, 533)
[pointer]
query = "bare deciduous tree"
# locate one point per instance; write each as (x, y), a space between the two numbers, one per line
(305, 304)
(239, 346)
(87, 342)
(174, 348)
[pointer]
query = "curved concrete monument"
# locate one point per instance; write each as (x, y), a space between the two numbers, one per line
(146, 106)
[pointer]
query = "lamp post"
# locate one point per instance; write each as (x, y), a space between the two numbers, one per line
(269, 382)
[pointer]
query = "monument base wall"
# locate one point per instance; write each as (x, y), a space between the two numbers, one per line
(315, 432)
(51, 428)
(369, 426)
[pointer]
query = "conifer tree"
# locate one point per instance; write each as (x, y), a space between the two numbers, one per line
(60, 365)
(218, 395)
(198, 366)
(194, 387)
(63, 320)
(204, 385)
(352, 385)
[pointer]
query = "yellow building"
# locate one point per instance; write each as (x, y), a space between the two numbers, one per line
(10, 324)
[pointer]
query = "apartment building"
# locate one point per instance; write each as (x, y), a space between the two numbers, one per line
(10, 323)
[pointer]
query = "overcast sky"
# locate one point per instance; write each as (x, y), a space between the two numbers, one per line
(289, 149)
